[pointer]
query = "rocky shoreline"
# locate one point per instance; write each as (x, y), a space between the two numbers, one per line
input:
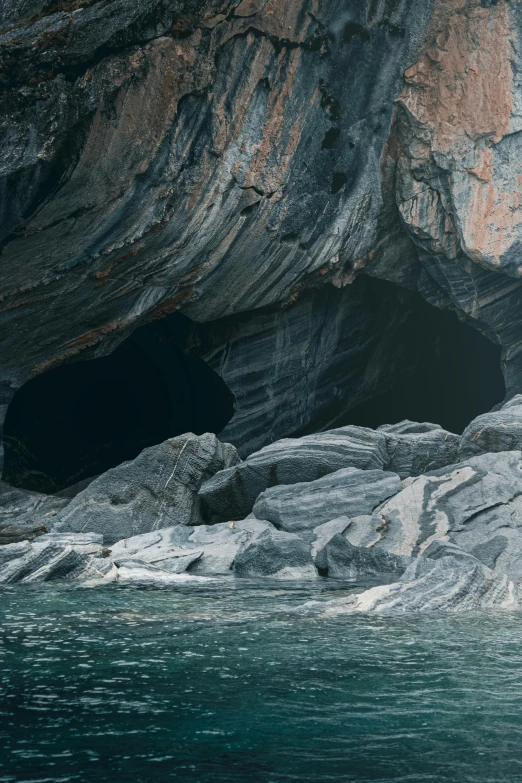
(432, 519)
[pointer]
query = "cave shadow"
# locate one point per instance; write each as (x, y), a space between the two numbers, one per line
(81, 419)
(456, 375)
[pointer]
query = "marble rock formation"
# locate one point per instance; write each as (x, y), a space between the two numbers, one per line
(413, 448)
(205, 549)
(231, 493)
(475, 504)
(495, 431)
(157, 489)
(210, 157)
(335, 556)
(305, 506)
(278, 555)
(25, 515)
(53, 557)
(249, 163)
(288, 177)
(451, 583)
(407, 448)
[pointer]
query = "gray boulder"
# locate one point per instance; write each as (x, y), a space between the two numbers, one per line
(231, 493)
(278, 555)
(52, 557)
(413, 448)
(157, 489)
(349, 492)
(25, 515)
(451, 583)
(342, 560)
(205, 549)
(475, 504)
(493, 432)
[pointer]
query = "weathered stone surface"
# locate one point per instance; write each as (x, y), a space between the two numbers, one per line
(348, 492)
(457, 141)
(157, 489)
(342, 560)
(205, 549)
(25, 515)
(231, 493)
(51, 558)
(476, 504)
(497, 431)
(148, 147)
(278, 555)
(299, 370)
(451, 584)
(414, 448)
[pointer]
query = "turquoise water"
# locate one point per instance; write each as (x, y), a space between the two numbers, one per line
(227, 683)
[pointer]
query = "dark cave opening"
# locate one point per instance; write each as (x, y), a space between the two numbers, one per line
(78, 420)
(452, 373)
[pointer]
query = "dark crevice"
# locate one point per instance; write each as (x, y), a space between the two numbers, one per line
(250, 209)
(331, 137)
(352, 30)
(339, 180)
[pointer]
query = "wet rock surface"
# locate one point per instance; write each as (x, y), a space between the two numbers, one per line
(448, 584)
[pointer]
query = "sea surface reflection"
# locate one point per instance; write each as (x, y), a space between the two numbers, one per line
(227, 682)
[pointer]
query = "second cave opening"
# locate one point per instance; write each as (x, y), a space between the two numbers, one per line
(454, 374)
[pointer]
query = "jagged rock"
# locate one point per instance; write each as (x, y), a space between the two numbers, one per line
(51, 557)
(342, 560)
(348, 492)
(157, 489)
(414, 448)
(205, 549)
(335, 556)
(475, 504)
(497, 431)
(451, 583)
(278, 555)
(25, 515)
(231, 493)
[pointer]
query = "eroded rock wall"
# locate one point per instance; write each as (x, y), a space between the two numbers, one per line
(207, 156)
(223, 156)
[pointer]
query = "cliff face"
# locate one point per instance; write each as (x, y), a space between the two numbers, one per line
(216, 158)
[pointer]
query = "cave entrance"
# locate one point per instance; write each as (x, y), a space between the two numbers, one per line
(450, 372)
(78, 420)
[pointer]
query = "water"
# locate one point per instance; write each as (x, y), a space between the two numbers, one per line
(227, 683)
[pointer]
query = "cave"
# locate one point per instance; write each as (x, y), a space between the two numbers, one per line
(78, 420)
(453, 374)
